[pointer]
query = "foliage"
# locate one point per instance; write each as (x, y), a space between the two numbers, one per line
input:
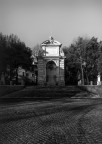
(38, 51)
(82, 55)
(99, 68)
(13, 54)
(91, 57)
(3, 54)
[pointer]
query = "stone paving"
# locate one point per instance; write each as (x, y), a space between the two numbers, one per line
(55, 122)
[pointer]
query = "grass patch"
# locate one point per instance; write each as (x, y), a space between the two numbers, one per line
(7, 89)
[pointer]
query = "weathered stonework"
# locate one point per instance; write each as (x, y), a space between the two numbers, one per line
(51, 66)
(61, 80)
(41, 72)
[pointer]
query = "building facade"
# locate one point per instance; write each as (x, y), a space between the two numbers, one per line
(51, 65)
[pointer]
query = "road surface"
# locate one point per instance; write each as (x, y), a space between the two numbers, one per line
(62, 121)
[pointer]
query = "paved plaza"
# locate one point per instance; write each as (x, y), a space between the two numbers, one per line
(62, 121)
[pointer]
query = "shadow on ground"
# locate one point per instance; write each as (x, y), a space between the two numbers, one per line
(44, 93)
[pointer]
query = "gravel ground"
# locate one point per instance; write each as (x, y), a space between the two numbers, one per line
(77, 121)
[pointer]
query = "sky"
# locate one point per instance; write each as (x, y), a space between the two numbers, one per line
(34, 21)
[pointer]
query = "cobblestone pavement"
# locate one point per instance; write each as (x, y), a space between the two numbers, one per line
(77, 121)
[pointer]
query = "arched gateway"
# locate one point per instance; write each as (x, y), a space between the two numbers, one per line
(51, 66)
(51, 73)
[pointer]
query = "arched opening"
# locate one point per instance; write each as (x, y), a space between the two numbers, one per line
(51, 74)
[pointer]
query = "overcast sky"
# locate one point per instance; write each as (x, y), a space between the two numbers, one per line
(35, 20)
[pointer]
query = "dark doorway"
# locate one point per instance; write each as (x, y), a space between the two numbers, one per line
(51, 73)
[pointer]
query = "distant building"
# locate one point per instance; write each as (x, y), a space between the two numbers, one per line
(28, 76)
(25, 76)
(51, 66)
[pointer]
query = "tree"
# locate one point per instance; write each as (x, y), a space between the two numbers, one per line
(3, 54)
(14, 54)
(71, 65)
(99, 67)
(18, 55)
(37, 51)
(82, 51)
(92, 56)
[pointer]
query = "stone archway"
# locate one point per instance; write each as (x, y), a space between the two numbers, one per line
(51, 73)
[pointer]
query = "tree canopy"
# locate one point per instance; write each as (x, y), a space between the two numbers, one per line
(37, 51)
(83, 54)
(13, 54)
(83, 57)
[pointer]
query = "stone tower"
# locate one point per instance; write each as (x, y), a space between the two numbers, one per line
(51, 65)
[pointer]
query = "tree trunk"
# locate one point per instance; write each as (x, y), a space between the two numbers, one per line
(16, 75)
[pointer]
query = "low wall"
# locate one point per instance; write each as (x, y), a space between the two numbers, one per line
(95, 89)
(6, 89)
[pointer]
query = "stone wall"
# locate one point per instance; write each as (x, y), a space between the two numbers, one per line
(61, 76)
(41, 72)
